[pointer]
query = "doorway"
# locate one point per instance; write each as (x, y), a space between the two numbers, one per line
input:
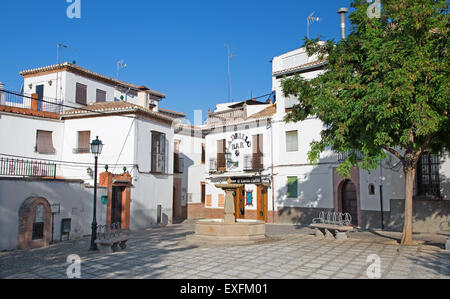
(239, 203)
(350, 201)
(116, 204)
(261, 209)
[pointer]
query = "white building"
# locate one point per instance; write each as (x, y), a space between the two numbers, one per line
(155, 169)
(65, 107)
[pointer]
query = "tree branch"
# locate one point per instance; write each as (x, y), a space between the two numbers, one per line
(394, 152)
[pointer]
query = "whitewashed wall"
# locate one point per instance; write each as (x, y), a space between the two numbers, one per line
(75, 199)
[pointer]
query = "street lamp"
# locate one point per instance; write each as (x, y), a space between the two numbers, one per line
(96, 150)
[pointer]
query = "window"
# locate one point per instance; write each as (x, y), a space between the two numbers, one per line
(221, 148)
(178, 163)
(84, 142)
(81, 94)
(38, 223)
(292, 141)
(100, 96)
(292, 190)
(44, 142)
(428, 175)
(371, 189)
(158, 152)
(203, 154)
(203, 193)
(290, 102)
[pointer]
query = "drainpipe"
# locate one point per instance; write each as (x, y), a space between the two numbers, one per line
(342, 11)
(271, 157)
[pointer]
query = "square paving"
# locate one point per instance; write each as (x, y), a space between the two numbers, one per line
(293, 252)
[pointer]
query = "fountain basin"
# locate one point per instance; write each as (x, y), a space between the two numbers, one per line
(243, 231)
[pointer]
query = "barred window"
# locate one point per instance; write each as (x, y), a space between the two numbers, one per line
(428, 176)
(158, 152)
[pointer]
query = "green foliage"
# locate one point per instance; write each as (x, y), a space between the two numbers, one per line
(386, 86)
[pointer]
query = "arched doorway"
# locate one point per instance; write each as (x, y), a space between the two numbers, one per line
(350, 200)
(34, 223)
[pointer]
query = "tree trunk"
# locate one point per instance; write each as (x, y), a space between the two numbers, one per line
(410, 173)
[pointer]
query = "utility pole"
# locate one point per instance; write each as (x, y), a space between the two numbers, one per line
(230, 55)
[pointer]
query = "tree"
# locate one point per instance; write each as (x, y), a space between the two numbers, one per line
(385, 88)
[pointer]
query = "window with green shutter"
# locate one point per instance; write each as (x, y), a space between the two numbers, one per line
(292, 187)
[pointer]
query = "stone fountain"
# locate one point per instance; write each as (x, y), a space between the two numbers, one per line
(228, 230)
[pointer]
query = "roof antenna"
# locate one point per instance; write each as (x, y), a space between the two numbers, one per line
(309, 20)
(58, 47)
(120, 65)
(230, 55)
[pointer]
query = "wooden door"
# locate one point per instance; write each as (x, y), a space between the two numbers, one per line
(116, 205)
(349, 201)
(239, 203)
(261, 203)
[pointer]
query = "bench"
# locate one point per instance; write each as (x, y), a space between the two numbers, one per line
(445, 231)
(333, 225)
(111, 237)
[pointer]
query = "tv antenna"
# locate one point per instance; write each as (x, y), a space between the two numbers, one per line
(120, 65)
(230, 55)
(58, 49)
(311, 19)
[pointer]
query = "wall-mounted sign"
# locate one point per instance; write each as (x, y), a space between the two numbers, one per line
(239, 141)
(247, 180)
(105, 199)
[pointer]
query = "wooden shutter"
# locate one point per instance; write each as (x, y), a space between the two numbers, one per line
(203, 154)
(84, 142)
(44, 142)
(81, 94)
(100, 96)
(221, 148)
(257, 156)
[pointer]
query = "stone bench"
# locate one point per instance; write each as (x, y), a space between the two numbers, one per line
(338, 232)
(334, 225)
(112, 239)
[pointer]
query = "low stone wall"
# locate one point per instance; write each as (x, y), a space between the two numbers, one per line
(427, 215)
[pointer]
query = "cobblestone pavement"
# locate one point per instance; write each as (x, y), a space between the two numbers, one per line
(293, 253)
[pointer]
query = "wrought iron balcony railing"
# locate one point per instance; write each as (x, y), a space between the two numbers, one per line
(26, 168)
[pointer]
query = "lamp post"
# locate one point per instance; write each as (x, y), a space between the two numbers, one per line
(96, 150)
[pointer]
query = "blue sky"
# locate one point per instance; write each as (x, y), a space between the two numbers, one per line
(176, 47)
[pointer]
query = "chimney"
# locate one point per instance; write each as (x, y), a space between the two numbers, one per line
(342, 11)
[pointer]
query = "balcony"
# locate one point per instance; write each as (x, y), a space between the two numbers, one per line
(226, 116)
(29, 102)
(254, 162)
(343, 157)
(26, 168)
(86, 150)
